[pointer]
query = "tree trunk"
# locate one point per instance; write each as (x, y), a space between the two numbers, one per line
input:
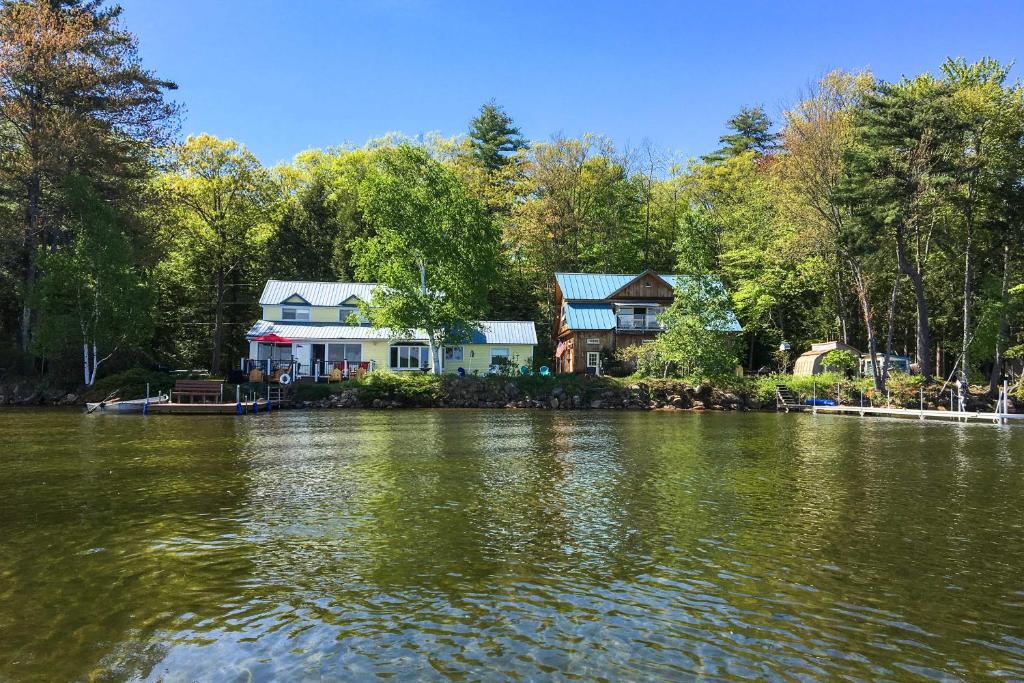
(965, 365)
(891, 327)
(218, 324)
(923, 334)
(85, 362)
(997, 363)
(869, 325)
(841, 300)
(31, 244)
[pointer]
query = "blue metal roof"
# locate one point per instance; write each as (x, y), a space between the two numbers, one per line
(597, 286)
(589, 316)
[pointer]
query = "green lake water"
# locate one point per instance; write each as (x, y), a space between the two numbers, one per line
(508, 545)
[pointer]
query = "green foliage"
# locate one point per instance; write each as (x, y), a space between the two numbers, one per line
(417, 387)
(318, 392)
(433, 248)
(753, 133)
(698, 339)
(92, 297)
(493, 137)
(840, 360)
(130, 384)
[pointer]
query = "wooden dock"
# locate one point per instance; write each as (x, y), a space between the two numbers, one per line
(247, 408)
(947, 415)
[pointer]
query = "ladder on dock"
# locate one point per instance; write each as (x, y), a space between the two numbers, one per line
(277, 395)
(786, 399)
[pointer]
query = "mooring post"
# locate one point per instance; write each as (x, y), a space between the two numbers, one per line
(814, 396)
(922, 401)
(238, 398)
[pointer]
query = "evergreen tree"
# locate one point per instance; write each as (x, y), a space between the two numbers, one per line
(493, 136)
(753, 133)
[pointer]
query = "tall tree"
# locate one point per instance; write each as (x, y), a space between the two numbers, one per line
(222, 200)
(494, 137)
(984, 136)
(74, 97)
(432, 249)
(896, 169)
(752, 132)
(699, 337)
(818, 135)
(319, 220)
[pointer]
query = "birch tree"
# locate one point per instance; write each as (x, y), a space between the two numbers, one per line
(92, 293)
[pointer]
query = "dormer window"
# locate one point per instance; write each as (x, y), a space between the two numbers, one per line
(296, 313)
(349, 315)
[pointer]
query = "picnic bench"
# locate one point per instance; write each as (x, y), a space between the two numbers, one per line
(203, 389)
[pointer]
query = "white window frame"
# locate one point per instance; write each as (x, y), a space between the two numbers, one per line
(593, 341)
(345, 311)
(507, 355)
(596, 357)
(299, 313)
(449, 354)
(404, 354)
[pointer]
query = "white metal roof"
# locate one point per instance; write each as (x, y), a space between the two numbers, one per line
(491, 332)
(315, 293)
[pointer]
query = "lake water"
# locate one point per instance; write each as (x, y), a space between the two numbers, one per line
(508, 545)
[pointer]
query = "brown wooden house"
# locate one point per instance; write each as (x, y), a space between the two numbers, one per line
(605, 312)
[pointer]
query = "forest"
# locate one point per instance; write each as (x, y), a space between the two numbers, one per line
(887, 215)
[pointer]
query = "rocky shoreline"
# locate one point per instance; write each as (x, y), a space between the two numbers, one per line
(579, 395)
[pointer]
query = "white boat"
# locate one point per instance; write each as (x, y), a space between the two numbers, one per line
(115, 405)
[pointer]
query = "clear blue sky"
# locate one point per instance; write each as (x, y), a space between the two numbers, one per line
(282, 76)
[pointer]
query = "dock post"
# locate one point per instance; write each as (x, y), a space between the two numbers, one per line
(922, 401)
(269, 406)
(814, 396)
(238, 398)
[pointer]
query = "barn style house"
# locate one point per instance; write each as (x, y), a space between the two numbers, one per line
(598, 314)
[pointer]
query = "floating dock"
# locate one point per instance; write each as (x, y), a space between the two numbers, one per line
(947, 415)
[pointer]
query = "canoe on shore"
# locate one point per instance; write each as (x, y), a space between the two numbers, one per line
(115, 405)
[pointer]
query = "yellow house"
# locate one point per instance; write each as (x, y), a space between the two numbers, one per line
(313, 328)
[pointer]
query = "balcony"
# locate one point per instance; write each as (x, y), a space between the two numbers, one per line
(638, 323)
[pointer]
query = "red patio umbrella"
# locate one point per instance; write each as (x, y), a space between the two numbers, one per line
(272, 339)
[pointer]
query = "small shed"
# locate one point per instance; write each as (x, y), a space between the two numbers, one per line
(810, 363)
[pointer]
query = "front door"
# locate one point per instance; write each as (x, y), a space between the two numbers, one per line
(318, 354)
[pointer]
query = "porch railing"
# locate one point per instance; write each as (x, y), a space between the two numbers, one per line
(638, 322)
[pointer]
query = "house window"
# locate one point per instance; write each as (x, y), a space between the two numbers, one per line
(353, 353)
(345, 312)
(410, 357)
(293, 313)
(499, 355)
(453, 354)
(593, 341)
(593, 358)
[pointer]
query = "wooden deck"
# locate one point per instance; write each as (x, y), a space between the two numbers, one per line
(947, 415)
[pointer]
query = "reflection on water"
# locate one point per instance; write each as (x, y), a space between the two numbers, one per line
(435, 544)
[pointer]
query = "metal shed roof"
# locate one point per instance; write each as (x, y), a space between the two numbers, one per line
(315, 293)
(597, 286)
(491, 332)
(589, 316)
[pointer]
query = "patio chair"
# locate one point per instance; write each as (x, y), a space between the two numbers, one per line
(544, 372)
